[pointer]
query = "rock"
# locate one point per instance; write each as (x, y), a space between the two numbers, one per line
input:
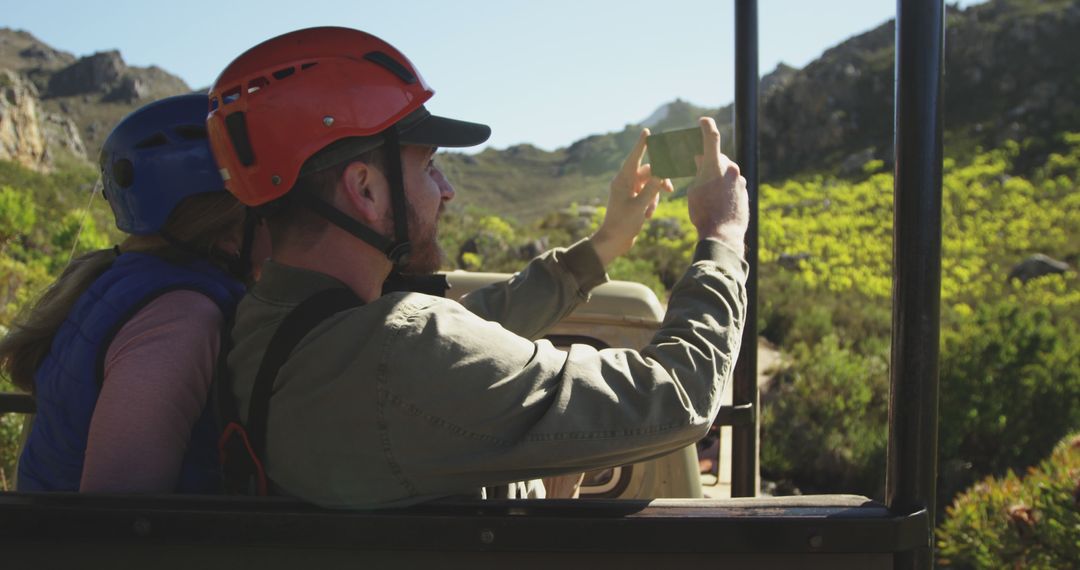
(1036, 266)
(853, 164)
(61, 133)
(533, 248)
(776, 79)
(43, 55)
(21, 138)
(792, 261)
(98, 73)
(469, 246)
(130, 90)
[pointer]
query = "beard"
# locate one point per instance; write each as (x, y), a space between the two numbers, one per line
(426, 256)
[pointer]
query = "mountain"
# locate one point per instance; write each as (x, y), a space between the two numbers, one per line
(93, 92)
(1010, 76)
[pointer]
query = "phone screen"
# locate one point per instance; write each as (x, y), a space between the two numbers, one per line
(671, 154)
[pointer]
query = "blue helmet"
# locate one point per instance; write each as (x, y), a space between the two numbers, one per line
(154, 158)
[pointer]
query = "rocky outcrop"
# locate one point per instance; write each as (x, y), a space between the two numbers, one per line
(128, 90)
(1011, 75)
(21, 139)
(99, 73)
(29, 135)
(776, 79)
(93, 92)
(62, 136)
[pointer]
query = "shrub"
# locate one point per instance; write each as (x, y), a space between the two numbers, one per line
(824, 426)
(1014, 522)
(1010, 389)
(10, 432)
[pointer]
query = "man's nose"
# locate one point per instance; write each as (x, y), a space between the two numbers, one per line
(446, 190)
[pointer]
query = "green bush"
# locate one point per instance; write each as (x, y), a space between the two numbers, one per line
(1010, 389)
(10, 432)
(825, 425)
(1014, 522)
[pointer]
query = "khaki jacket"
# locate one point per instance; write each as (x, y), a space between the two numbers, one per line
(413, 397)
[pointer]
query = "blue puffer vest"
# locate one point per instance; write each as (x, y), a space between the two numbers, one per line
(68, 381)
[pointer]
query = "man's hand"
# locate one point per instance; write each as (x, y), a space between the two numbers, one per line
(633, 199)
(719, 205)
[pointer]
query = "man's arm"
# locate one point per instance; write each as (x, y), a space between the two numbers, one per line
(553, 284)
(532, 410)
(547, 290)
(505, 409)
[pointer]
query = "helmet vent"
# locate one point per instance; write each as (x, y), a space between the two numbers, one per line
(231, 95)
(156, 139)
(123, 173)
(191, 132)
(283, 73)
(236, 126)
(257, 83)
(307, 66)
(392, 65)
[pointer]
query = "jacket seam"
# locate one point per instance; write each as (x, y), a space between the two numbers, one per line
(382, 424)
(414, 410)
(608, 434)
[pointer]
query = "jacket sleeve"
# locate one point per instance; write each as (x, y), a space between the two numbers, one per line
(547, 290)
(533, 410)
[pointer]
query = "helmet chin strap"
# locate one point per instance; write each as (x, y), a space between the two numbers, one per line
(399, 255)
(396, 250)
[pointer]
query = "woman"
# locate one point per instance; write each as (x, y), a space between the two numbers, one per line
(120, 351)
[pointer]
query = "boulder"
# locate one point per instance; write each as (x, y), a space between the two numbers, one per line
(533, 248)
(792, 261)
(1036, 266)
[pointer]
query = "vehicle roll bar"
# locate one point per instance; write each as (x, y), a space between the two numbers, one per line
(911, 472)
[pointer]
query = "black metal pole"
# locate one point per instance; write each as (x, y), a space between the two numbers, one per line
(913, 400)
(744, 437)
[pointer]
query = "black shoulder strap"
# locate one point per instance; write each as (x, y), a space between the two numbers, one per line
(243, 445)
(297, 324)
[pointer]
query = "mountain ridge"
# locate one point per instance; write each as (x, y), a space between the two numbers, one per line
(832, 116)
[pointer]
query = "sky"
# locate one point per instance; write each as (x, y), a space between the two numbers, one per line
(543, 72)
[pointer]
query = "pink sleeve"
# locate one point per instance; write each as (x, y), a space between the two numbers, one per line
(158, 370)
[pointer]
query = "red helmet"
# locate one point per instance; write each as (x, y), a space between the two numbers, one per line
(289, 97)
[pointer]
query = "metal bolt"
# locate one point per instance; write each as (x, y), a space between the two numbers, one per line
(275, 179)
(816, 541)
(328, 120)
(141, 526)
(487, 536)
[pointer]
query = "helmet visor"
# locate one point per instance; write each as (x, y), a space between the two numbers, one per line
(423, 128)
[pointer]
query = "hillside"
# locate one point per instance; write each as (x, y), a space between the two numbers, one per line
(1011, 73)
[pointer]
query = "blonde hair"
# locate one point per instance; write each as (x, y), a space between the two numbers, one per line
(201, 222)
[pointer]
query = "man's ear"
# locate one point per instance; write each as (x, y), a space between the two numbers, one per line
(362, 192)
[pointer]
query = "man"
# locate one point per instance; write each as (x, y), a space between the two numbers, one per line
(396, 398)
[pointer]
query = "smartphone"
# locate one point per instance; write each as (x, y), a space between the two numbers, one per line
(671, 154)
